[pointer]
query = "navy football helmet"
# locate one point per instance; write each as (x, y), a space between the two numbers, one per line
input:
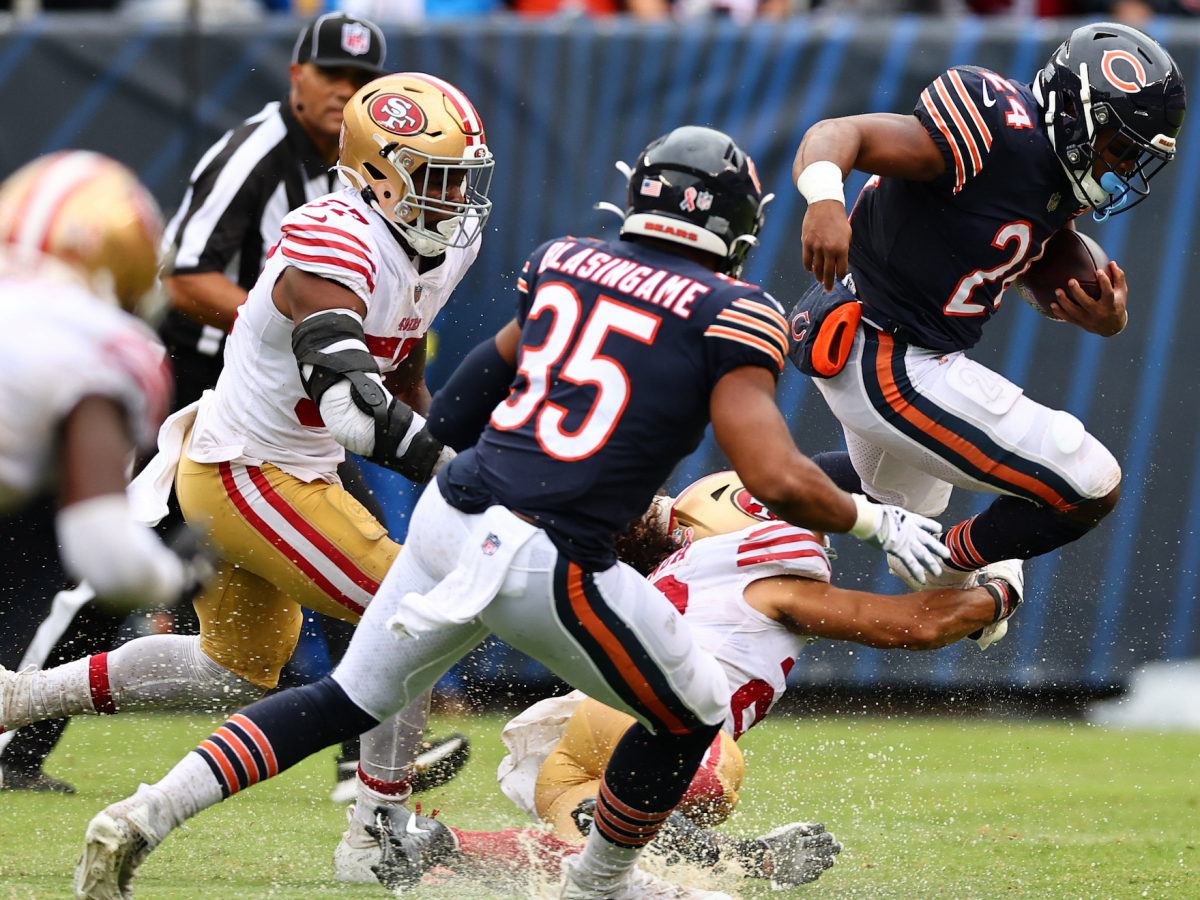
(1110, 87)
(696, 186)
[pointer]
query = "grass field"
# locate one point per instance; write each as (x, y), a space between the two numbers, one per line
(927, 808)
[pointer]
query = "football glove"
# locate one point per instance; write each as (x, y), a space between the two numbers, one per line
(911, 539)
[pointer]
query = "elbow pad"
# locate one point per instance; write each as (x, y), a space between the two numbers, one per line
(342, 378)
(123, 561)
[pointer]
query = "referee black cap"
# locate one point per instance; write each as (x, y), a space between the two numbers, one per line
(335, 39)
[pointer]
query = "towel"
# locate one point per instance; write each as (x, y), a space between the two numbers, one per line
(483, 564)
(149, 492)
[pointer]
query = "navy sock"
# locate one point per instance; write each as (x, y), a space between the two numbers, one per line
(646, 778)
(1011, 528)
(837, 465)
(278, 731)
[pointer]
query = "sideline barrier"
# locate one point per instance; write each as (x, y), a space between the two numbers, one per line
(562, 100)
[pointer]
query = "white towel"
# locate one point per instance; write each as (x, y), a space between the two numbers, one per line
(483, 564)
(149, 492)
(530, 738)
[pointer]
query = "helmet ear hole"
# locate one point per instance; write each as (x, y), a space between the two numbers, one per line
(374, 172)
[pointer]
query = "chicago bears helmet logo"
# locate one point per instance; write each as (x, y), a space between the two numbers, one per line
(800, 325)
(745, 501)
(397, 114)
(1107, 65)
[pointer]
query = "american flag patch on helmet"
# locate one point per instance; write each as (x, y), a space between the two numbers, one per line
(651, 187)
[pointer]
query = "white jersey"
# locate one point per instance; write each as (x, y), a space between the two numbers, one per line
(260, 411)
(58, 344)
(706, 580)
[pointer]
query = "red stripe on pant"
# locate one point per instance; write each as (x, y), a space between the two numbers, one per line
(102, 700)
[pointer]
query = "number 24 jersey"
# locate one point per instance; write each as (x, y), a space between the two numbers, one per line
(621, 346)
(934, 257)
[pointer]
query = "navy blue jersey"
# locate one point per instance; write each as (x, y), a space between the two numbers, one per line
(934, 257)
(621, 346)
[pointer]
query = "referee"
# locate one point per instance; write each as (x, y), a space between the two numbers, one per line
(237, 197)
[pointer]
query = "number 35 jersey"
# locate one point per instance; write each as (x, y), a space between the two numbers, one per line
(934, 257)
(621, 346)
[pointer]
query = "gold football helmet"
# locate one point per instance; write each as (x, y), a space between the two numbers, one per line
(414, 145)
(718, 504)
(91, 213)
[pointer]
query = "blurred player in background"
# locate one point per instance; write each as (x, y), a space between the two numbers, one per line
(83, 384)
(231, 215)
(754, 591)
(351, 288)
(967, 191)
(620, 354)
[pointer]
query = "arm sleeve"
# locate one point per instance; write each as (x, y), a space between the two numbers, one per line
(461, 409)
(749, 331)
(334, 247)
(963, 110)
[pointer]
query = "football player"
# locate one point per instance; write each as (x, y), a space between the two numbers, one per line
(966, 192)
(328, 355)
(620, 353)
(84, 382)
(754, 591)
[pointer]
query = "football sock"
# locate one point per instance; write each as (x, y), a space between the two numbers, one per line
(188, 789)
(385, 769)
(277, 732)
(645, 779)
(1011, 528)
(837, 465)
(159, 671)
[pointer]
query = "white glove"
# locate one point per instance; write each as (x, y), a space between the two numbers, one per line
(912, 539)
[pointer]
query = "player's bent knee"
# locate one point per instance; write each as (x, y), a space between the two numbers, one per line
(1090, 514)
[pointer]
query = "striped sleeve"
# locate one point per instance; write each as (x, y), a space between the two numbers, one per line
(962, 110)
(335, 249)
(782, 549)
(749, 330)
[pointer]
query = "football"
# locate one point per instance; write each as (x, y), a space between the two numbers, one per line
(1068, 254)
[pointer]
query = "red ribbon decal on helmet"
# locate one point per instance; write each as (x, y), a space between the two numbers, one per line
(1139, 71)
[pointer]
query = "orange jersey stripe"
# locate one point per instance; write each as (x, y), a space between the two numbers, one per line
(620, 657)
(758, 325)
(941, 124)
(734, 334)
(976, 160)
(891, 392)
(972, 109)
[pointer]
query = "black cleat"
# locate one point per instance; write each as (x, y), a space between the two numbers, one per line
(440, 762)
(36, 781)
(410, 845)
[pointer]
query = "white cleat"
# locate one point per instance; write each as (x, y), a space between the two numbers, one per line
(638, 884)
(356, 852)
(113, 849)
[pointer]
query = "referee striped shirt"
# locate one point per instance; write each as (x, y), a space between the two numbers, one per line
(236, 199)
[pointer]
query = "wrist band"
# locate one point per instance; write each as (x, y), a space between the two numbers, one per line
(821, 180)
(867, 522)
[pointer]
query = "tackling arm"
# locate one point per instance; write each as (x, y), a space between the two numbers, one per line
(925, 620)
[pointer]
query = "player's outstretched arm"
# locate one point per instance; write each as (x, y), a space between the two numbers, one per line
(879, 144)
(925, 620)
(751, 431)
(123, 560)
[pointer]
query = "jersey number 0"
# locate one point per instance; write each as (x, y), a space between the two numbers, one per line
(585, 365)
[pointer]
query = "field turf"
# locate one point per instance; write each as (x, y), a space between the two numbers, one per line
(927, 808)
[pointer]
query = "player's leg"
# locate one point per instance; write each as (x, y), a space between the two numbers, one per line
(619, 640)
(960, 422)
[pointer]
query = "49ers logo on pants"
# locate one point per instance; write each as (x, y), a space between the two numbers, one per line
(397, 114)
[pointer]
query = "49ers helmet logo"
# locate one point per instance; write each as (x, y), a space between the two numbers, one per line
(745, 501)
(397, 114)
(1133, 66)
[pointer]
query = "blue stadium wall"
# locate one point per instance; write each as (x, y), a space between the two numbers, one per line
(562, 100)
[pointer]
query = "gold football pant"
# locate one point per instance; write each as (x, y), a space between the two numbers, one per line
(285, 543)
(572, 771)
